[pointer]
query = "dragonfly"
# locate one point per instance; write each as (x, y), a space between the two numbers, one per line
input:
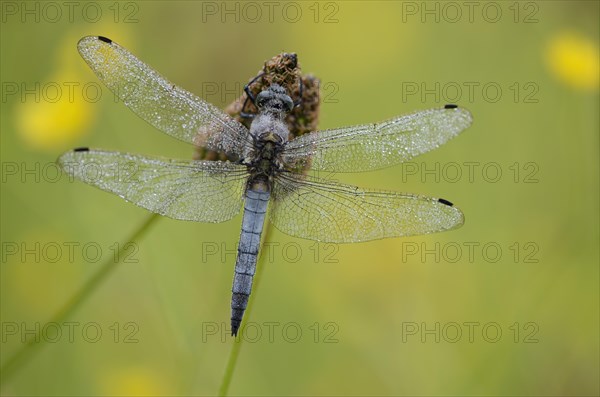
(266, 169)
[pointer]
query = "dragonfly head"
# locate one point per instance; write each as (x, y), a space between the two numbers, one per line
(274, 100)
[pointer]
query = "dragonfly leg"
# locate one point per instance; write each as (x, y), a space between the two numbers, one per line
(249, 97)
(300, 93)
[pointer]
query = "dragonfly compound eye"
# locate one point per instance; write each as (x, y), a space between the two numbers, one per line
(288, 104)
(263, 98)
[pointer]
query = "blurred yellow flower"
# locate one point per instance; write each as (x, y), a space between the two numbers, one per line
(573, 59)
(51, 114)
(55, 119)
(135, 381)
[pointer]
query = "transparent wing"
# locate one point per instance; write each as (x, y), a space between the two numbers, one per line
(373, 146)
(318, 210)
(201, 191)
(167, 107)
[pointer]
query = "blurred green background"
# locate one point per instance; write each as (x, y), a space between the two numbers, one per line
(391, 317)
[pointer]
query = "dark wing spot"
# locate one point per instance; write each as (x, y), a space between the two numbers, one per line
(446, 202)
(81, 149)
(104, 39)
(450, 106)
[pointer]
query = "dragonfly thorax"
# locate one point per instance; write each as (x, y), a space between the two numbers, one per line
(265, 158)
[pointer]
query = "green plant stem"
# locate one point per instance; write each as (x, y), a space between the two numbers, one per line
(20, 357)
(235, 349)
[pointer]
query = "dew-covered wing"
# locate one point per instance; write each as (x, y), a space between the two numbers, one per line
(167, 107)
(201, 191)
(307, 207)
(373, 146)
